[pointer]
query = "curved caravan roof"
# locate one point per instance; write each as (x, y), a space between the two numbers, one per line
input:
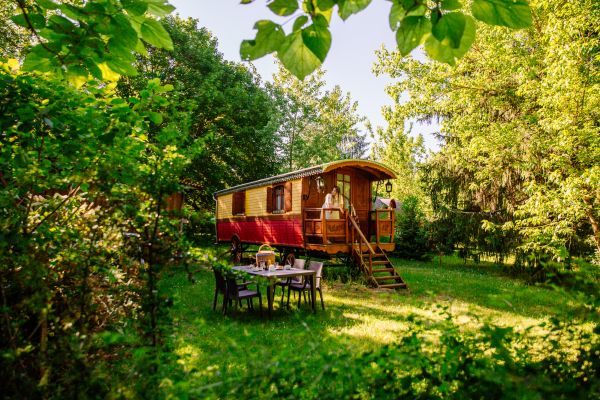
(377, 170)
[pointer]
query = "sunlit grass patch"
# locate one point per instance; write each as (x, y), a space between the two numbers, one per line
(214, 349)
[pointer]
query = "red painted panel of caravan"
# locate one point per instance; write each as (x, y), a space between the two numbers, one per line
(262, 230)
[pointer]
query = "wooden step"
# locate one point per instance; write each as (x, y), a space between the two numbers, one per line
(380, 262)
(383, 270)
(394, 286)
(386, 277)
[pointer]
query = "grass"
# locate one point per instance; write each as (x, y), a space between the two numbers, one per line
(212, 347)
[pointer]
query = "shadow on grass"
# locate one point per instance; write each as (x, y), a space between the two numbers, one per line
(209, 341)
(212, 348)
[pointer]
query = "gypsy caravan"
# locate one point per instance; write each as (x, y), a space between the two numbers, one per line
(286, 212)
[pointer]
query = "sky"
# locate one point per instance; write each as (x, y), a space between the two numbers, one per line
(349, 62)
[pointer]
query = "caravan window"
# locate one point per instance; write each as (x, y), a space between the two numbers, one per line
(278, 199)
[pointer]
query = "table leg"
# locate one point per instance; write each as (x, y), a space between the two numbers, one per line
(313, 282)
(270, 297)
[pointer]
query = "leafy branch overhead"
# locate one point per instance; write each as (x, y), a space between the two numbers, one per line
(446, 28)
(97, 38)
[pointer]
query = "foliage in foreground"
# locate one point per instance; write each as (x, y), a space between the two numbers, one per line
(445, 27)
(430, 361)
(84, 177)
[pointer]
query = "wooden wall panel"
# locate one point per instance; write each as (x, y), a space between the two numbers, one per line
(256, 202)
(296, 196)
(224, 204)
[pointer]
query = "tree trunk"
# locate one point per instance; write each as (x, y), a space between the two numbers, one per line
(593, 221)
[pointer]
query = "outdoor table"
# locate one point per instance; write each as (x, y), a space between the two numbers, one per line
(273, 276)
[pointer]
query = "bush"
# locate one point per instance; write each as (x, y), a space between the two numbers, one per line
(411, 234)
(428, 362)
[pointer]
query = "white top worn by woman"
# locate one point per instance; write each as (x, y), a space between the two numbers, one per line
(330, 202)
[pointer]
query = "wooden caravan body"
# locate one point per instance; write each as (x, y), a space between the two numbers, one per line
(285, 210)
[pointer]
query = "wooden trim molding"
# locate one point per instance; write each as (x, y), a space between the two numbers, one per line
(271, 217)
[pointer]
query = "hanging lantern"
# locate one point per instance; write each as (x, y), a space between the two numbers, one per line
(388, 187)
(320, 183)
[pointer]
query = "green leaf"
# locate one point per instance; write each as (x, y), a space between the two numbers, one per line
(412, 32)
(300, 22)
(451, 5)
(154, 33)
(123, 32)
(155, 117)
(93, 68)
(325, 10)
(510, 13)
(297, 57)
(348, 7)
(417, 10)
(317, 37)
(449, 29)
(37, 20)
(60, 23)
(444, 53)
(325, 4)
(140, 48)
(283, 7)
(47, 4)
(159, 8)
(38, 59)
(121, 66)
(396, 15)
(135, 7)
(117, 50)
(268, 39)
(73, 12)
(35, 62)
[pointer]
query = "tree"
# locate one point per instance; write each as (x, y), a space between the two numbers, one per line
(402, 153)
(444, 27)
(411, 231)
(225, 104)
(315, 125)
(519, 121)
(13, 38)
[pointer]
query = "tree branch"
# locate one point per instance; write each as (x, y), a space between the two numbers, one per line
(23, 8)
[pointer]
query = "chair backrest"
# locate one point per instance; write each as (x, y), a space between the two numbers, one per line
(220, 281)
(316, 266)
(232, 287)
(300, 264)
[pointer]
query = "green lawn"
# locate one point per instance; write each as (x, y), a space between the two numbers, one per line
(213, 349)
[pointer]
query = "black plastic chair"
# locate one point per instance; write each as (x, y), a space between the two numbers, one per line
(221, 288)
(304, 287)
(283, 283)
(236, 294)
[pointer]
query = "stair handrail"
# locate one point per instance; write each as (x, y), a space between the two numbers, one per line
(360, 234)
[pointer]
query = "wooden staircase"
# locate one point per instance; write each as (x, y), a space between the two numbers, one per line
(373, 261)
